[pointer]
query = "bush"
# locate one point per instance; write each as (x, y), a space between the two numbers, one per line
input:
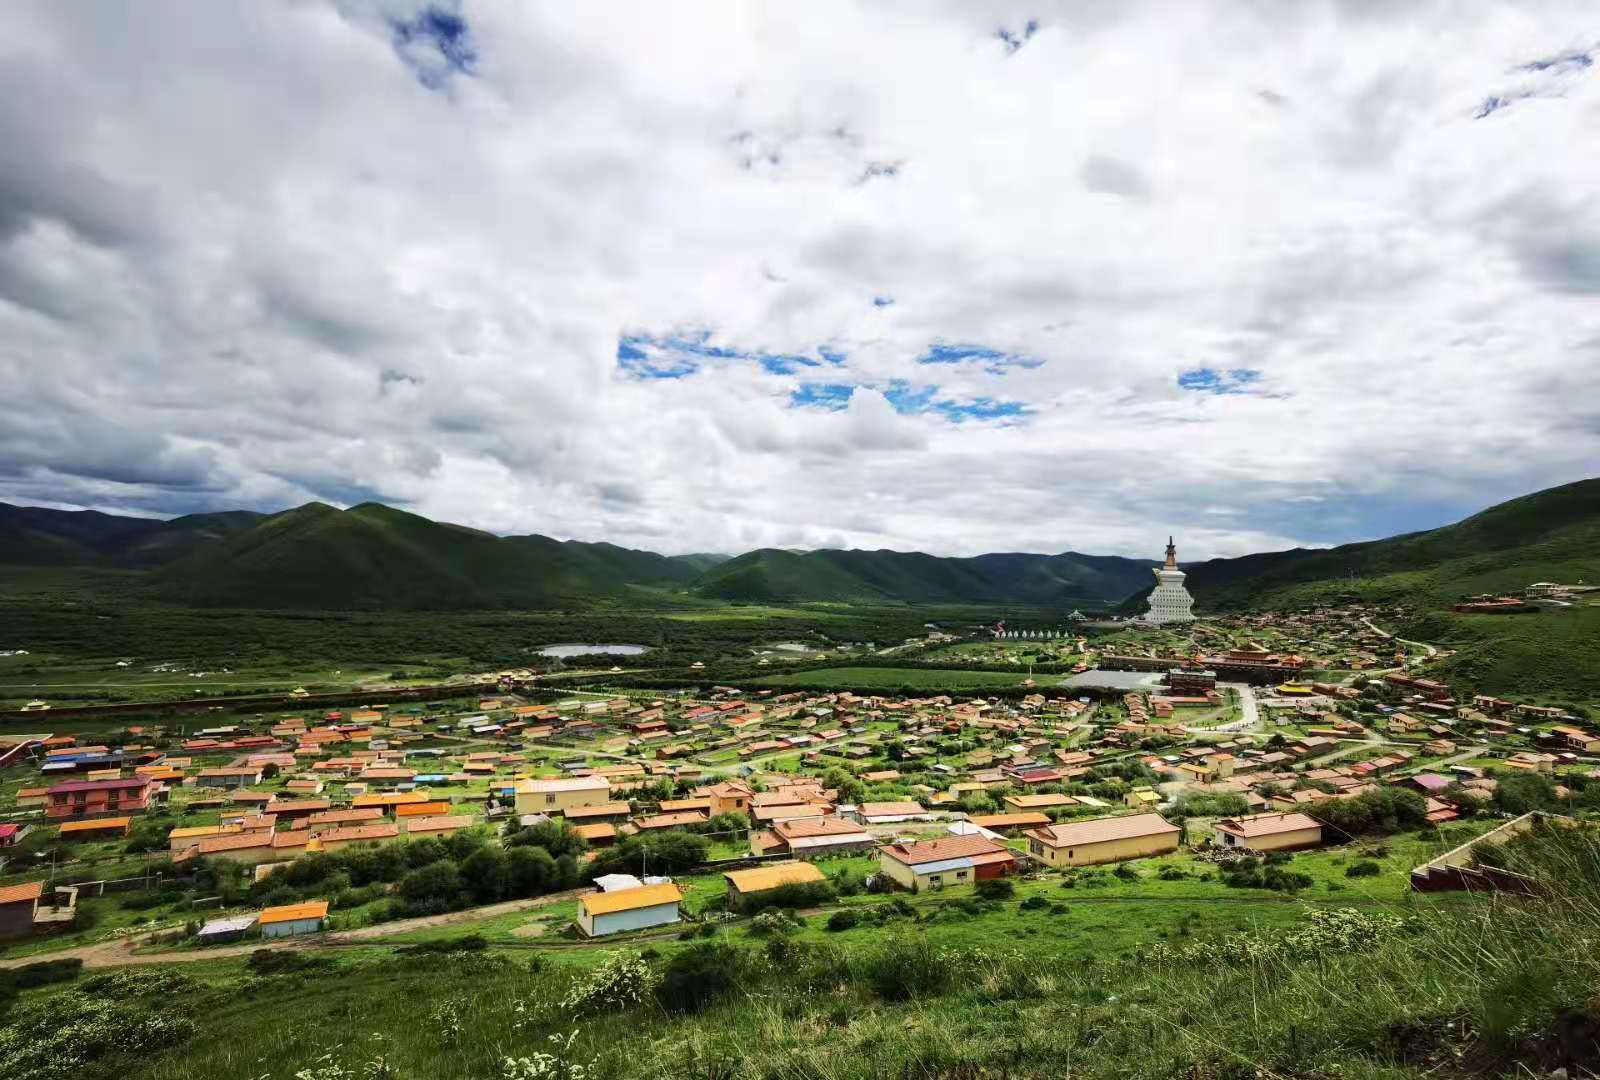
(670, 851)
(1033, 903)
(1377, 813)
(436, 885)
(700, 974)
(797, 895)
(470, 943)
(66, 1034)
(844, 919)
(995, 889)
(620, 981)
(769, 923)
(1275, 878)
(283, 962)
(903, 968)
(42, 973)
(1126, 872)
(1365, 868)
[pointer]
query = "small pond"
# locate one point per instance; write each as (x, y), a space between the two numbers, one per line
(564, 651)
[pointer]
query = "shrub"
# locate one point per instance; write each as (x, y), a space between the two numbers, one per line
(1365, 868)
(844, 919)
(1126, 872)
(66, 1034)
(669, 851)
(700, 974)
(1033, 903)
(995, 889)
(469, 943)
(42, 973)
(904, 968)
(283, 962)
(1377, 813)
(797, 895)
(769, 923)
(622, 980)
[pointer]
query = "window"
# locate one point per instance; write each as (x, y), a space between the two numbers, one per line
(549, 800)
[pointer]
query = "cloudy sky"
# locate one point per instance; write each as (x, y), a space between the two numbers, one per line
(957, 276)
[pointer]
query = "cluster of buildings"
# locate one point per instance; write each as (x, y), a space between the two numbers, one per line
(941, 790)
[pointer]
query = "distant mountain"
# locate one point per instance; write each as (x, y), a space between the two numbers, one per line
(1070, 579)
(36, 536)
(379, 558)
(375, 557)
(1551, 535)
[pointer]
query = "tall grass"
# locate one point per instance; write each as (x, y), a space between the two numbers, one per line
(1468, 987)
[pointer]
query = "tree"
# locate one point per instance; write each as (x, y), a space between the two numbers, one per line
(1377, 813)
(1524, 792)
(669, 851)
(530, 871)
(484, 874)
(436, 885)
(556, 837)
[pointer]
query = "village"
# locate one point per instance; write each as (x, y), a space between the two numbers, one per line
(1192, 749)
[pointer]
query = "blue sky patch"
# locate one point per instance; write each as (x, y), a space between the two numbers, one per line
(983, 408)
(822, 395)
(882, 301)
(1014, 40)
(1572, 60)
(672, 356)
(1212, 381)
(994, 361)
(911, 400)
(436, 44)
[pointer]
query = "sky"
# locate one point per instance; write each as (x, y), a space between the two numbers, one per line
(945, 275)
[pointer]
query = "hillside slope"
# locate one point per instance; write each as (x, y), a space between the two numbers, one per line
(374, 557)
(38, 536)
(1551, 535)
(1069, 579)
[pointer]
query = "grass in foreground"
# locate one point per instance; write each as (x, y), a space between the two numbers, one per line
(1467, 986)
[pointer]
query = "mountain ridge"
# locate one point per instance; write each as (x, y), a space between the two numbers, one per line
(373, 556)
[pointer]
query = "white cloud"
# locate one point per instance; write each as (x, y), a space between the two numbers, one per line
(301, 261)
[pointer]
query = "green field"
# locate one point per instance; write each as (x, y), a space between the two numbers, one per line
(894, 678)
(1140, 973)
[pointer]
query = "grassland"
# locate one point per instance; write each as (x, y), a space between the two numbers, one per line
(1120, 978)
(886, 678)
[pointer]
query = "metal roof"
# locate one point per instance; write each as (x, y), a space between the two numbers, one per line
(943, 865)
(236, 924)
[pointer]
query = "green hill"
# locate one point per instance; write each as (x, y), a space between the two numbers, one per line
(1551, 535)
(1069, 579)
(37, 536)
(375, 557)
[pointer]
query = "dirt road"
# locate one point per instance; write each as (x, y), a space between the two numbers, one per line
(119, 952)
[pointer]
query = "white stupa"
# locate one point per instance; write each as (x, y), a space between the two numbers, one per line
(1170, 602)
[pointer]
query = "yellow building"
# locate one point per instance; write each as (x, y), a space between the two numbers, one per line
(1103, 840)
(730, 798)
(1142, 799)
(742, 884)
(1269, 832)
(554, 795)
(182, 839)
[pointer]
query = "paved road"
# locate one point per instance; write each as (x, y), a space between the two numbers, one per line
(120, 951)
(1248, 710)
(1423, 645)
